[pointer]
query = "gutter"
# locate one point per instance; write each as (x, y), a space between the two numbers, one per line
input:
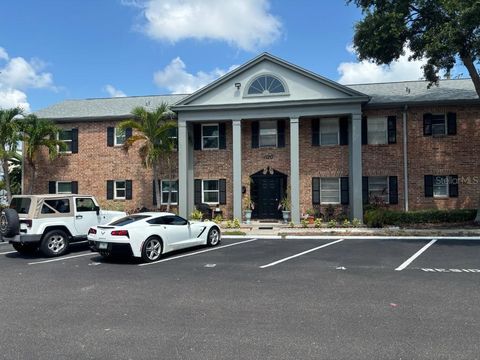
(405, 157)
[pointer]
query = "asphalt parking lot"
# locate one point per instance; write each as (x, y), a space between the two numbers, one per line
(247, 299)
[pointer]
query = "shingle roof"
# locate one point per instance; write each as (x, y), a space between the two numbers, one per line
(418, 91)
(105, 107)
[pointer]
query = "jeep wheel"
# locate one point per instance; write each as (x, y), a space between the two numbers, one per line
(54, 243)
(25, 249)
(9, 223)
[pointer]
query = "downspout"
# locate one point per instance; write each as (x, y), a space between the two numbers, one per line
(405, 158)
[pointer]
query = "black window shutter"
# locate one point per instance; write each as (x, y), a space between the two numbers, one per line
(109, 189)
(222, 193)
(393, 190)
(154, 192)
(364, 130)
(315, 190)
(222, 142)
(52, 187)
(428, 185)
(344, 131)
(128, 133)
(365, 189)
(255, 134)
(316, 132)
(392, 129)
(74, 141)
(452, 123)
(74, 187)
(427, 124)
(281, 133)
(110, 135)
(344, 195)
(197, 136)
(453, 185)
(128, 190)
(197, 191)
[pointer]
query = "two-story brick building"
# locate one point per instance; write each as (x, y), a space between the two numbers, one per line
(269, 127)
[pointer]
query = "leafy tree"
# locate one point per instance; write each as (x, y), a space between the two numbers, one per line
(8, 142)
(16, 174)
(37, 134)
(442, 31)
(153, 130)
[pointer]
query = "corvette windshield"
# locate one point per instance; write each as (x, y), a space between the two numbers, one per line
(128, 220)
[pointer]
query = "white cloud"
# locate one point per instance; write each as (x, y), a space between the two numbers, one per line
(177, 80)
(113, 92)
(10, 98)
(369, 72)
(246, 24)
(17, 75)
(3, 54)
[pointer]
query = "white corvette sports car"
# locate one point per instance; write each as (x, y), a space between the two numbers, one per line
(151, 234)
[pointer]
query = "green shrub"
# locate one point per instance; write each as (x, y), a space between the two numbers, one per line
(346, 223)
(380, 217)
(218, 219)
(318, 222)
(196, 215)
(304, 223)
(291, 224)
(229, 224)
(356, 222)
(236, 223)
(332, 223)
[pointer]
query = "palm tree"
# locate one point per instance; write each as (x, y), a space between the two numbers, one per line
(9, 138)
(36, 134)
(152, 133)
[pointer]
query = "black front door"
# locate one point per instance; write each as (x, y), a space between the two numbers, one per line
(267, 190)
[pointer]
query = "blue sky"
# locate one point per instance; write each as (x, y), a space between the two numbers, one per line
(52, 50)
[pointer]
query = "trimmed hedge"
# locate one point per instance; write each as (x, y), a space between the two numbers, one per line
(382, 217)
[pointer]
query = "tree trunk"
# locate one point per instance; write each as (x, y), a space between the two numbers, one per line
(6, 177)
(169, 166)
(158, 196)
(33, 175)
(472, 71)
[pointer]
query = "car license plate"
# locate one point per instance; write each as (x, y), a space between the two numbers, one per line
(102, 245)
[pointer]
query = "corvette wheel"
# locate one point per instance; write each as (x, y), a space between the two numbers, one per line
(213, 237)
(152, 249)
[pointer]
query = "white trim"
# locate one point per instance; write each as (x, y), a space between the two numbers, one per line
(64, 141)
(254, 78)
(115, 197)
(211, 191)
(218, 137)
(161, 191)
(115, 143)
(63, 182)
(339, 191)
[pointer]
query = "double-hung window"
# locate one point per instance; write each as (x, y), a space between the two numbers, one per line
(65, 136)
(119, 136)
(169, 186)
(440, 186)
(120, 190)
(330, 190)
(64, 187)
(210, 192)
(268, 133)
(329, 131)
(377, 131)
(378, 188)
(210, 136)
(439, 127)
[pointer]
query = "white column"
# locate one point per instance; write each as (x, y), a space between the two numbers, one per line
(237, 168)
(355, 166)
(295, 170)
(182, 168)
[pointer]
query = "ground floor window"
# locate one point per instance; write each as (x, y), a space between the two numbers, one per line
(378, 188)
(440, 186)
(172, 187)
(210, 192)
(119, 189)
(64, 187)
(330, 190)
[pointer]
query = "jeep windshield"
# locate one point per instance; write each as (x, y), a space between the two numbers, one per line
(21, 204)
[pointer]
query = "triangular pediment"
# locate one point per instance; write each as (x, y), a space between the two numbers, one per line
(297, 84)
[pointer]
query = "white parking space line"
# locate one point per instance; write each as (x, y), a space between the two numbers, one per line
(61, 258)
(7, 252)
(300, 254)
(414, 256)
(198, 252)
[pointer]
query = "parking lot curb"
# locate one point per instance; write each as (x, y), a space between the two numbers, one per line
(346, 237)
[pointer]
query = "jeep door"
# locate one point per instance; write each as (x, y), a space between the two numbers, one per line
(85, 215)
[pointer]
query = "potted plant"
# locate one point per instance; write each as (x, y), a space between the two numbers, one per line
(285, 205)
(248, 206)
(311, 216)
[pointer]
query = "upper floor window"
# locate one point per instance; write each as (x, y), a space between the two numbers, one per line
(66, 137)
(120, 136)
(268, 133)
(210, 136)
(377, 130)
(439, 125)
(266, 85)
(329, 131)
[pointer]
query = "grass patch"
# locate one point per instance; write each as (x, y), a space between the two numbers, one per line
(234, 232)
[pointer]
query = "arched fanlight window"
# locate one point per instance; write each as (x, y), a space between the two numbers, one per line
(265, 85)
